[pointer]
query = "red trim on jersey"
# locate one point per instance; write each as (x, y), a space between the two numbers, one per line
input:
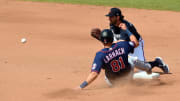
(109, 50)
(95, 71)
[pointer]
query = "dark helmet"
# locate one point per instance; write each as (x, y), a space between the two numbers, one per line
(115, 12)
(106, 36)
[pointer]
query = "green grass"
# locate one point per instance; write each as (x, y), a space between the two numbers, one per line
(173, 5)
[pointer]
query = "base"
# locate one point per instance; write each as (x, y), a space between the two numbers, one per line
(144, 75)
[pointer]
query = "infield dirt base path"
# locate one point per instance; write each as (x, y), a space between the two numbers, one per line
(59, 51)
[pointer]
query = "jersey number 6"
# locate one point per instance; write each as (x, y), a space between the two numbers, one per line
(115, 65)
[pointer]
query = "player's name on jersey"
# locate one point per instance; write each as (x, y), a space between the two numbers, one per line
(113, 54)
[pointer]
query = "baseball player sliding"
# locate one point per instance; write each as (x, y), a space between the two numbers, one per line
(113, 58)
(124, 31)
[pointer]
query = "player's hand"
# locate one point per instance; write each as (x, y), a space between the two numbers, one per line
(123, 26)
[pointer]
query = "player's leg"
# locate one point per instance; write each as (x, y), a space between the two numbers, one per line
(139, 51)
(158, 62)
(147, 66)
(135, 62)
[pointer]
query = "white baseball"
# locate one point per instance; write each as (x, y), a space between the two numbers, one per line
(23, 40)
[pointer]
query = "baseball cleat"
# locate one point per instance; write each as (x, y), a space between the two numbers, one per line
(162, 65)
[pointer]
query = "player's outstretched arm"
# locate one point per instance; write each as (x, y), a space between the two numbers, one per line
(92, 76)
(131, 36)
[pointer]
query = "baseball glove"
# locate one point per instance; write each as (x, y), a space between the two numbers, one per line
(95, 33)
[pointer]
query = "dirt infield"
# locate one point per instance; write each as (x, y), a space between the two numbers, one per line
(59, 52)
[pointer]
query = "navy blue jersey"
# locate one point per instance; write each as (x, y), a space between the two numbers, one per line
(120, 34)
(114, 59)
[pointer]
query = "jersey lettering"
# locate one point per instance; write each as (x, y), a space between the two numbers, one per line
(117, 65)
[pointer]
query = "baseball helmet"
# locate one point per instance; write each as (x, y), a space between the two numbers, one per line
(115, 12)
(106, 36)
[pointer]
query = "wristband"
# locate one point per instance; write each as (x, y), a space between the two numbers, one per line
(84, 84)
(128, 32)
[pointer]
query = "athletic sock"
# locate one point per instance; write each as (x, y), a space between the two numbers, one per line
(153, 63)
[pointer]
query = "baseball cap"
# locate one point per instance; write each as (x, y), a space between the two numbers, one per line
(114, 12)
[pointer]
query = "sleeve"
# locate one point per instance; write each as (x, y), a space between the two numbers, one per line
(97, 64)
(133, 30)
(131, 47)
